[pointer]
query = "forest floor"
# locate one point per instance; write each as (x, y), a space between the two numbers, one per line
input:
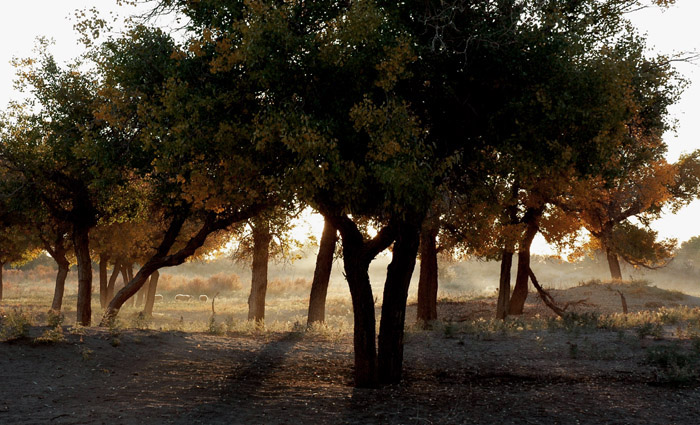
(602, 367)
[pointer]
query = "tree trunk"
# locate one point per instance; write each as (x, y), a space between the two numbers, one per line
(364, 330)
(2, 266)
(504, 285)
(261, 256)
(113, 280)
(517, 300)
(63, 267)
(104, 259)
(151, 295)
(428, 281)
(398, 279)
(81, 245)
(357, 256)
(614, 264)
(322, 274)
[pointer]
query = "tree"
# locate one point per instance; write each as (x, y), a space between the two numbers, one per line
(193, 144)
(52, 141)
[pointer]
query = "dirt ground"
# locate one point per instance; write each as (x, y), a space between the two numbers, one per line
(518, 376)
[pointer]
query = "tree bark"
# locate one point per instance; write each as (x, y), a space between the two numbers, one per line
(261, 256)
(322, 274)
(398, 279)
(613, 264)
(428, 281)
(503, 304)
(517, 300)
(151, 295)
(104, 259)
(113, 279)
(81, 245)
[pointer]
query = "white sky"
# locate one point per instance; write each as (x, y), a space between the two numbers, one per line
(673, 30)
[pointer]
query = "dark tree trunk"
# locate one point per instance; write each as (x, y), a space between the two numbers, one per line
(614, 264)
(151, 295)
(364, 331)
(81, 245)
(113, 280)
(428, 281)
(357, 256)
(261, 256)
(2, 266)
(391, 326)
(58, 252)
(322, 274)
(104, 259)
(504, 285)
(63, 267)
(517, 300)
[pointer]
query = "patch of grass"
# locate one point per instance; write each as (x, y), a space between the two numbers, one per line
(652, 329)
(673, 365)
(86, 354)
(214, 328)
(51, 336)
(140, 321)
(576, 322)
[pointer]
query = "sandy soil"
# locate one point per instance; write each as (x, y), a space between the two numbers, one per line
(520, 377)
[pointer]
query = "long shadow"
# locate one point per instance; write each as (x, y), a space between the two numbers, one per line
(244, 386)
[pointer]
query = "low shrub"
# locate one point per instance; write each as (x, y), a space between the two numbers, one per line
(220, 282)
(14, 325)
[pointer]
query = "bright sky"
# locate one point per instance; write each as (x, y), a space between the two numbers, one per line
(673, 30)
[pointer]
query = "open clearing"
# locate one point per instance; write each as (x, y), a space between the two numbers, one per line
(471, 369)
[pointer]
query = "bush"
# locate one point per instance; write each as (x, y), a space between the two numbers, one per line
(220, 282)
(287, 286)
(14, 325)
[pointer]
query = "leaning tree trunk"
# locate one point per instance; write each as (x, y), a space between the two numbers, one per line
(614, 264)
(391, 327)
(81, 245)
(517, 300)
(104, 259)
(261, 256)
(503, 304)
(428, 281)
(63, 267)
(151, 295)
(113, 280)
(322, 274)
